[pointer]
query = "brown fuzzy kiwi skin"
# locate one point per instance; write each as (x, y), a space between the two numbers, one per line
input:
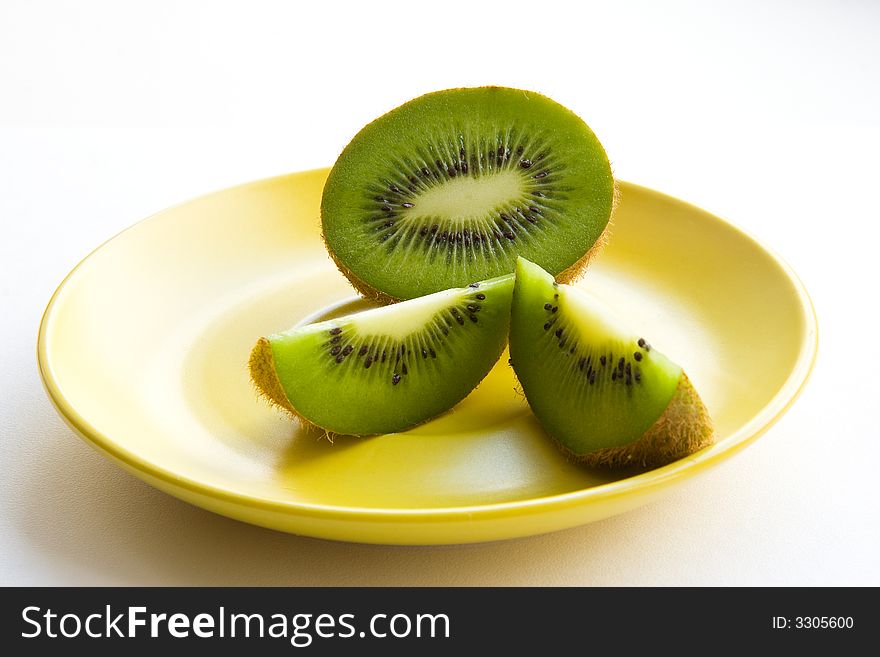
(571, 273)
(261, 365)
(682, 429)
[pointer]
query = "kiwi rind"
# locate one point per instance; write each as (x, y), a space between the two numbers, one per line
(575, 250)
(261, 366)
(684, 428)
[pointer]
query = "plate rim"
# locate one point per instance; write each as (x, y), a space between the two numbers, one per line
(619, 490)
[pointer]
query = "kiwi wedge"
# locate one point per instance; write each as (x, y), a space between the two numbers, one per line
(600, 390)
(451, 187)
(387, 369)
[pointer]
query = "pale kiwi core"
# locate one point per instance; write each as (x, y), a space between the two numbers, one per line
(466, 201)
(402, 320)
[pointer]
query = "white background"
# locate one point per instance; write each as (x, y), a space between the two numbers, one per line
(766, 113)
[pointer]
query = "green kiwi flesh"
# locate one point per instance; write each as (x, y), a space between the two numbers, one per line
(597, 388)
(387, 369)
(451, 187)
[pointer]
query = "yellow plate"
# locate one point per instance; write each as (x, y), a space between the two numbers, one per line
(143, 349)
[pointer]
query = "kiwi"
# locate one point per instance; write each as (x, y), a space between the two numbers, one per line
(600, 390)
(387, 369)
(451, 187)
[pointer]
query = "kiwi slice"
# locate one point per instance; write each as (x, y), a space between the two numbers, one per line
(451, 187)
(599, 389)
(387, 369)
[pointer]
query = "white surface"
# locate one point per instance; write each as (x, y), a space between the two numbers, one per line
(764, 113)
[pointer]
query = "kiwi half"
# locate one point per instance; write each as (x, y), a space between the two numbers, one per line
(600, 390)
(451, 187)
(387, 369)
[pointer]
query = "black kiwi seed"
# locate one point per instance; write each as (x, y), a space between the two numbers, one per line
(335, 339)
(480, 297)
(459, 319)
(340, 358)
(538, 176)
(474, 308)
(368, 361)
(559, 333)
(637, 376)
(432, 352)
(473, 318)
(592, 378)
(642, 342)
(554, 309)
(395, 379)
(347, 350)
(638, 355)
(335, 331)
(423, 231)
(386, 208)
(403, 369)
(474, 285)
(335, 350)
(525, 164)
(424, 353)
(614, 375)
(620, 363)
(384, 355)
(548, 306)
(581, 363)
(602, 360)
(628, 369)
